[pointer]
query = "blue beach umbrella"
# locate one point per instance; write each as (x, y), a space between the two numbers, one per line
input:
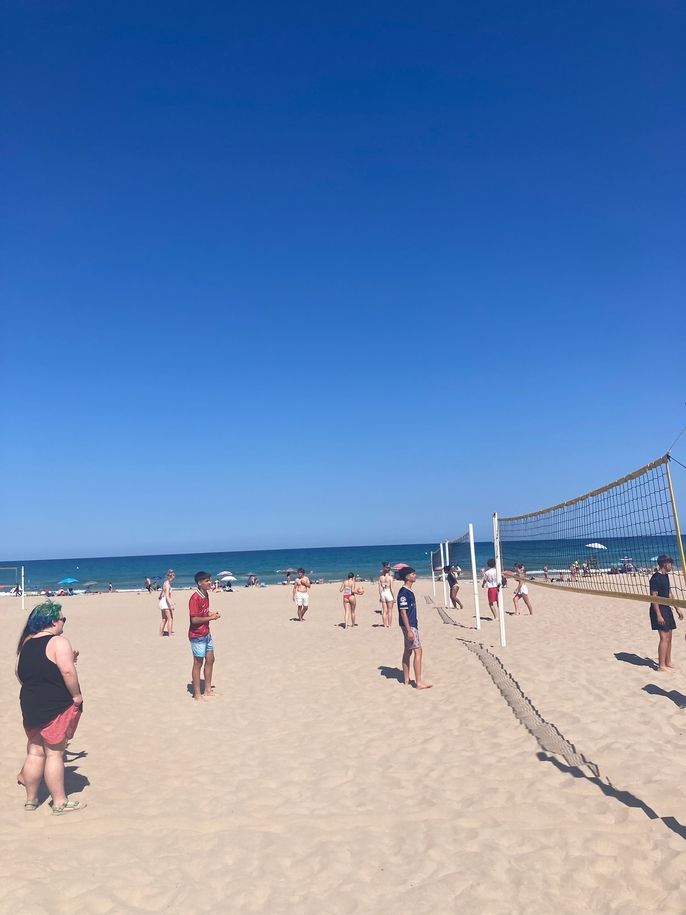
(68, 581)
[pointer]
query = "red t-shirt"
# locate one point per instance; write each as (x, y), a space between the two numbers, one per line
(198, 605)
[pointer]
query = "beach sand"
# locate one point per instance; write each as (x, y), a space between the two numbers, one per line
(316, 783)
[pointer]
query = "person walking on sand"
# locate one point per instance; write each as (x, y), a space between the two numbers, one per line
(167, 605)
(349, 590)
(661, 615)
(490, 581)
(386, 597)
(407, 619)
(199, 635)
(301, 594)
(453, 583)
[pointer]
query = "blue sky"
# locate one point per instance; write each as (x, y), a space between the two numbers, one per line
(310, 274)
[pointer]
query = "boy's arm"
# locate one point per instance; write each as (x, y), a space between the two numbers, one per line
(293, 594)
(406, 622)
(656, 608)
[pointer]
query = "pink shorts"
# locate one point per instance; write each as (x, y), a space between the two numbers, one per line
(61, 728)
(492, 595)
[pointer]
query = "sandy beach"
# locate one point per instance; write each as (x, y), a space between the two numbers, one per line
(314, 782)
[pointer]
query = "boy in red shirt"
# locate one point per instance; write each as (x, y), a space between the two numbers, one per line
(202, 645)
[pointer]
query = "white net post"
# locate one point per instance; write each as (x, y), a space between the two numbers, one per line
(433, 577)
(445, 593)
(23, 590)
(472, 555)
(499, 573)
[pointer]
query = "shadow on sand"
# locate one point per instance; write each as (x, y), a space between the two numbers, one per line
(635, 659)
(677, 698)
(392, 673)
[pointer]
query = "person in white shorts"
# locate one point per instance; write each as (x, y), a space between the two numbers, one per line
(386, 597)
(167, 605)
(301, 594)
(522, 590)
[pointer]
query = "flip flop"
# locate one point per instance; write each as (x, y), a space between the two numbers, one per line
(59, 810)
(32, 805)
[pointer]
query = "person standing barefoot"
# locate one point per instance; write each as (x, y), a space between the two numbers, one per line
(661, 616)
(386, 597)
(199, 635)
(349, 600)
(407, 618)
(167, 604)
(301, 595)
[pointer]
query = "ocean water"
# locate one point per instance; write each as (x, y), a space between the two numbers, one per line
(327, 563)
(129, 572)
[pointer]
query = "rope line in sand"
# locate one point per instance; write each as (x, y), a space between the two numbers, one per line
(546, 734)
(445, 616)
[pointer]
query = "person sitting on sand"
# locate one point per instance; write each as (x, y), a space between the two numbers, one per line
(661, 616)
(167, 605)
(301, 595)
(349, 589)
(386, 596)
(407, 619)
(490, 581)
(199, 635)
(51, 705)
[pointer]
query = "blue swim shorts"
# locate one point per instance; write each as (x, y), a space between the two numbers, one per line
(201, 646)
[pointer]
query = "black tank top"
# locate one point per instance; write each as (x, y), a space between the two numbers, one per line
(44, 694)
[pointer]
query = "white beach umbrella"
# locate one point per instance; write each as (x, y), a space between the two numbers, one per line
(228, 578)
(225, 572)
(596, 546)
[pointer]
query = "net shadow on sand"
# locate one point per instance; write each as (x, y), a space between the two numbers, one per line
(555, 747)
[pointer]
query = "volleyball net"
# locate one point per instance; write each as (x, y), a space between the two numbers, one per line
(605, 542)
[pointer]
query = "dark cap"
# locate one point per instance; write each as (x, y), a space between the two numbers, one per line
(402, 574)
(663, 558)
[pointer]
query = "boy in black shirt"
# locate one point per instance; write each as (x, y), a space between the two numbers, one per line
(661, 616)
(407, 618)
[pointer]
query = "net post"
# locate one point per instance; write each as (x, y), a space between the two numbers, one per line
(477, 613)
(23, 591)
(445, 596)
(431, 563)
(677, 528)
(499, 573)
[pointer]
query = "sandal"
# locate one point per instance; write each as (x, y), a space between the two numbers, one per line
(59, 810)
(32, 805)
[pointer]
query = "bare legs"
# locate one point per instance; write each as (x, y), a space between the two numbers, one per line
(664, 652)
(418, 682)
(349, 604)
(455, 600)
(208, 661)
(164, 625)
(387, 613)
(43, 760)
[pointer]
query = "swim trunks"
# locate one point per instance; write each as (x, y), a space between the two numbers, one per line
(302, 599)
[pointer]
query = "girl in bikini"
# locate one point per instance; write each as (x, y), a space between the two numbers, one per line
(522, 592)
(349, 600)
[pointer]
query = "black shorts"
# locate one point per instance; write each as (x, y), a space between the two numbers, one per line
(667, 616)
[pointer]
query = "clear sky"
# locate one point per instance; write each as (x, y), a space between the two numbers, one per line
(303, 274)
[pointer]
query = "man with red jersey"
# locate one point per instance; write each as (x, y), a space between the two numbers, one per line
(202, 645)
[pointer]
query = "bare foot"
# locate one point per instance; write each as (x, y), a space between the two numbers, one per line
(424, 685)
(664, 670)
(199, 699)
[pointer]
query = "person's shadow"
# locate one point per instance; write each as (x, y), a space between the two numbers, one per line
(677, 698)
(635, 659)
(392, 673)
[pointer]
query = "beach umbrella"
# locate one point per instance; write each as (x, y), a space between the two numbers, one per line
(89, 583)
(228, 578)
(225, 572)
(596, 546)
(68, 581)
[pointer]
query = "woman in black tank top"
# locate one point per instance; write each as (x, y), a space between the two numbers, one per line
(51, 704)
